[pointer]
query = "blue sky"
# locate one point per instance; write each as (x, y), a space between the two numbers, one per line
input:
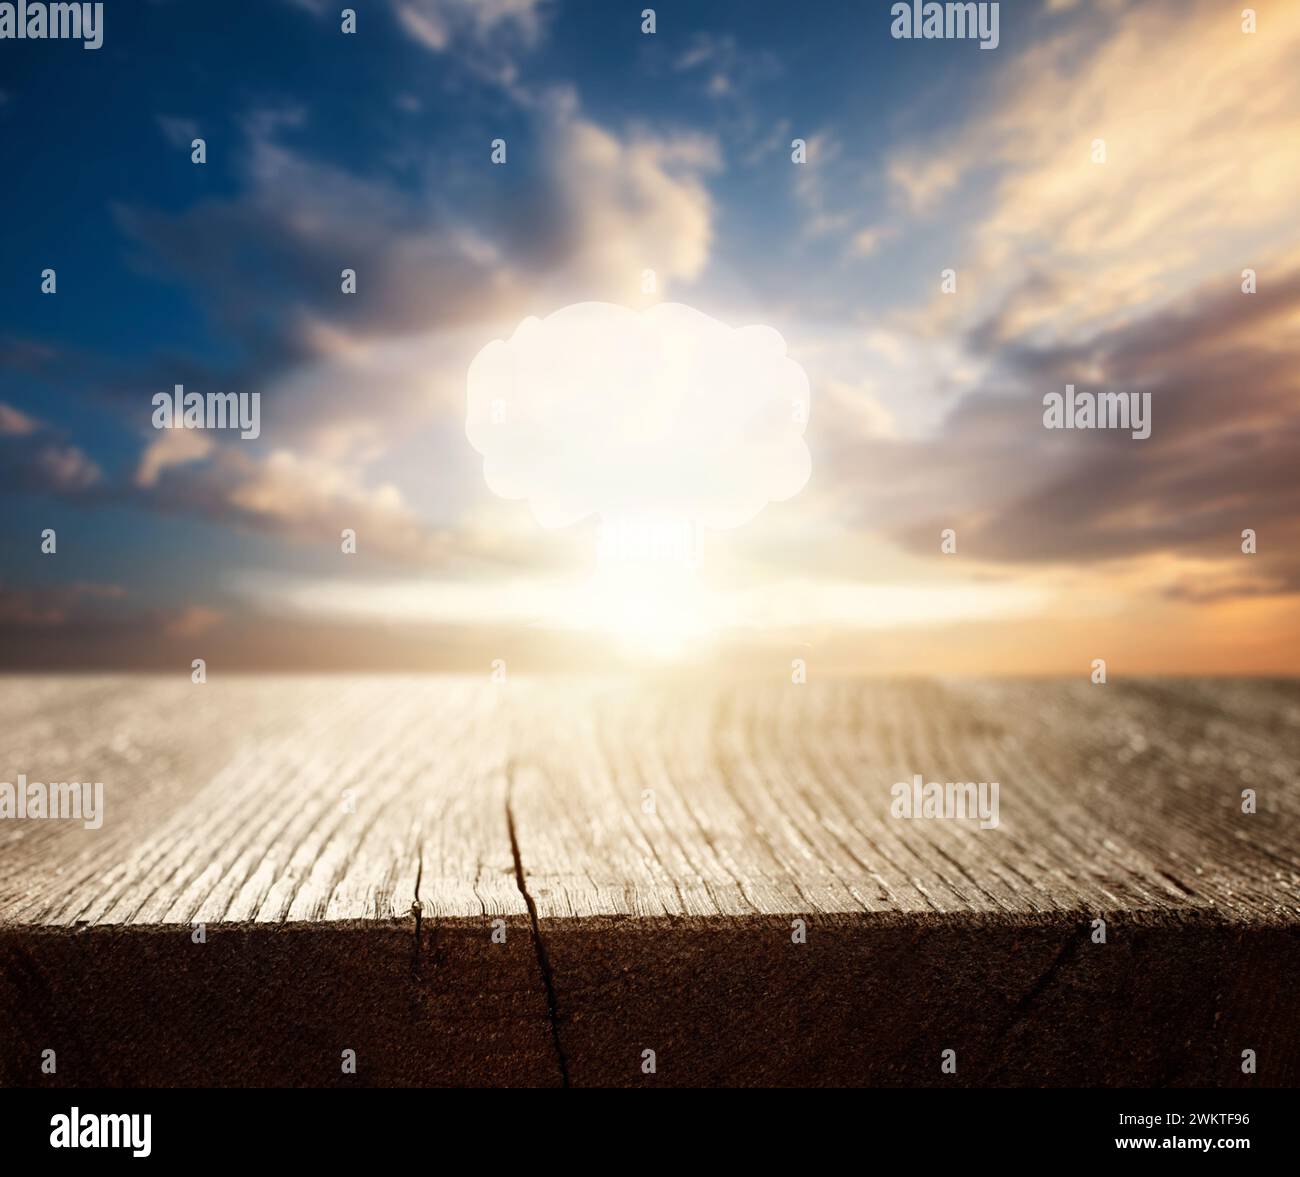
(381, 105)
(628, 151)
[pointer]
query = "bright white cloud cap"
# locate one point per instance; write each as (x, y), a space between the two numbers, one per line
(598, 409)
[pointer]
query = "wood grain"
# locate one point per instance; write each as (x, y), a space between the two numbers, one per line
(1119, 802)
(641, 849)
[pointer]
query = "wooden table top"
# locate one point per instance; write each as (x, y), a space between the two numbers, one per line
(645, 851)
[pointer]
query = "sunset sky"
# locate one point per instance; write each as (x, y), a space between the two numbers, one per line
(669, 152)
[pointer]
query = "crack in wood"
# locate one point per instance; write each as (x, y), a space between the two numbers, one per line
(543, 963)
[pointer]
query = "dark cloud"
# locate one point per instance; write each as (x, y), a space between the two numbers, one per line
(267, 263)
(1223, 455)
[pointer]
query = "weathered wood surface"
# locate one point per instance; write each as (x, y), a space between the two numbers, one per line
(642, 848)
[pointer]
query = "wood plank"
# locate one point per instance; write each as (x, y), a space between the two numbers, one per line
(672, 930)
(777, 799)
(648, 844)
(300, 821)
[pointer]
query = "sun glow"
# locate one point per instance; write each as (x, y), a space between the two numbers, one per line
(646, 592)
(657, 611)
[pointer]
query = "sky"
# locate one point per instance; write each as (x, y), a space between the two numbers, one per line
(670, 152)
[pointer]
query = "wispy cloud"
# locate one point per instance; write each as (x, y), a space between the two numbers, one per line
(35, 458)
